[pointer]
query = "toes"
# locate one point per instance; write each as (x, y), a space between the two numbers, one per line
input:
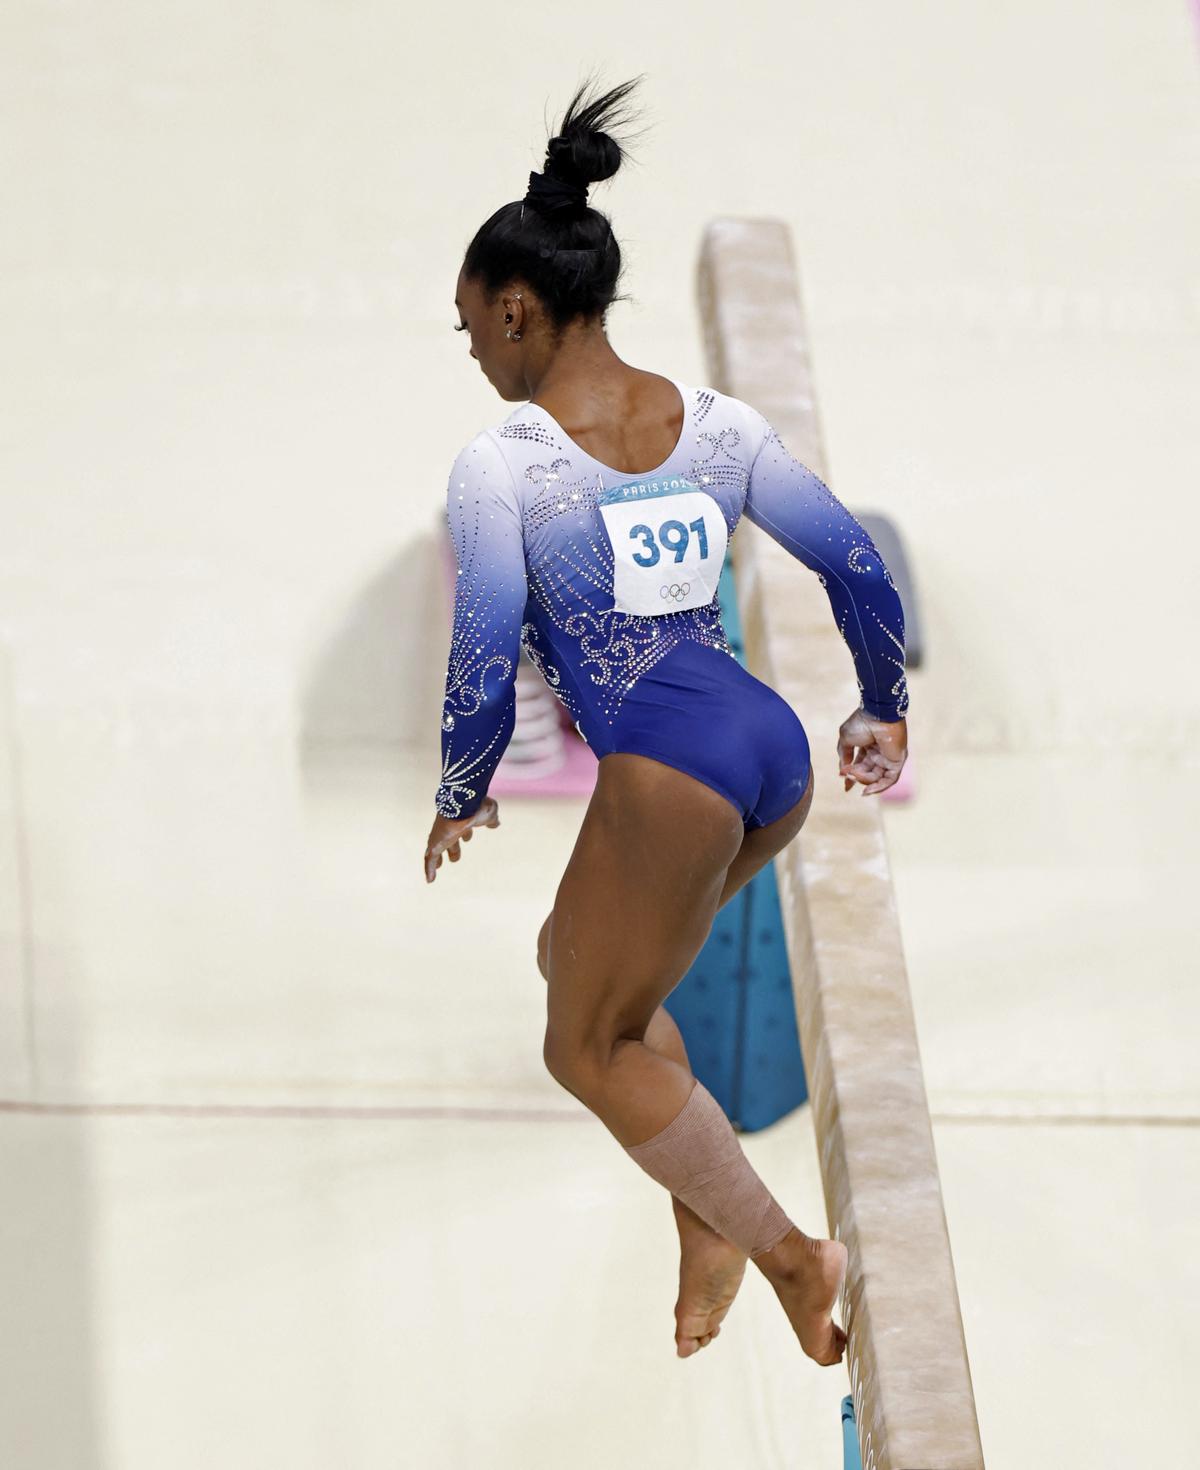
(832, 1348)
(838, 1346)
(685, 1346)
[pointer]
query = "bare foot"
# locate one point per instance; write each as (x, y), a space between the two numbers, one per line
(807, 1276)
(710, 1271)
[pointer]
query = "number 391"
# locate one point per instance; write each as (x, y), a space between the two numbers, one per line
(674, 537)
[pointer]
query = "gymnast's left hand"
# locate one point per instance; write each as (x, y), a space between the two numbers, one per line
(446, 834)
(882, 747)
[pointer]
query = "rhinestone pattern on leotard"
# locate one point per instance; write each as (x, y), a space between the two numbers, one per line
(797, 509)
(535, 571)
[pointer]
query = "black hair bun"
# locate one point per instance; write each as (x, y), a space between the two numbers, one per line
(583, 156)
(562, 247)
(582, 151)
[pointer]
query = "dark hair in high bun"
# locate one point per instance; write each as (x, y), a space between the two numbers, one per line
(552, 238)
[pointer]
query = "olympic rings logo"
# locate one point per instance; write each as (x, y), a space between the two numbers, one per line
(675, 591)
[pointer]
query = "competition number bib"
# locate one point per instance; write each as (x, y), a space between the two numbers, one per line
(668, 541)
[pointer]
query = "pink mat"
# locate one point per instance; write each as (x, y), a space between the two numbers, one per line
(575, 777)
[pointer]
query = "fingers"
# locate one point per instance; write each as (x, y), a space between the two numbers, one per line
(865, 768)
(444, 847)
(871, 752)
(879, 779)
(433, 855)
(846, 749)
(874, 771)
(449, 843)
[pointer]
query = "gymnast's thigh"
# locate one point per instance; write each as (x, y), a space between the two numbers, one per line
(637, 897)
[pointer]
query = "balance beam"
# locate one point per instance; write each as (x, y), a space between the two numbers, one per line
(906, 1352)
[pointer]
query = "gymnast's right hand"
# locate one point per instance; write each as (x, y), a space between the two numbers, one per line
(882, 747)
(445, 834)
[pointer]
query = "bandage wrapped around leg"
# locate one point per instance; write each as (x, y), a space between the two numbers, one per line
(697, 1157)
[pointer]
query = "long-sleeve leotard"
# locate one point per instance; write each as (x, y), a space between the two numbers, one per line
(797, 509)
(479, 709)
(535, 569)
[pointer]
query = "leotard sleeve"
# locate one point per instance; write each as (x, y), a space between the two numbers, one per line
(798, 510)
(484, 517)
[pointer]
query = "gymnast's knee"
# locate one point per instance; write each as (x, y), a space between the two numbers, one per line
(575, 1063)
(563, 1059)
(543, 948)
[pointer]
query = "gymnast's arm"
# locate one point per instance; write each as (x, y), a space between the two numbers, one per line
(802, 514)
(479, 709)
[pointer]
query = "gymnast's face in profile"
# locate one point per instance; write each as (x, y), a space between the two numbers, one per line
(500, 357)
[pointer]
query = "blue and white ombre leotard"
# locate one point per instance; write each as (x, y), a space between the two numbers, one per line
(609, 582)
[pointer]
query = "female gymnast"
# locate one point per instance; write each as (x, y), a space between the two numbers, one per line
(590, 527)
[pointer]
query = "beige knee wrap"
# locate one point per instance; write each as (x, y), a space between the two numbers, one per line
(697, 1157)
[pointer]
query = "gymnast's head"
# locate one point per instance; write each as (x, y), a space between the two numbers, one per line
(540, 273)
